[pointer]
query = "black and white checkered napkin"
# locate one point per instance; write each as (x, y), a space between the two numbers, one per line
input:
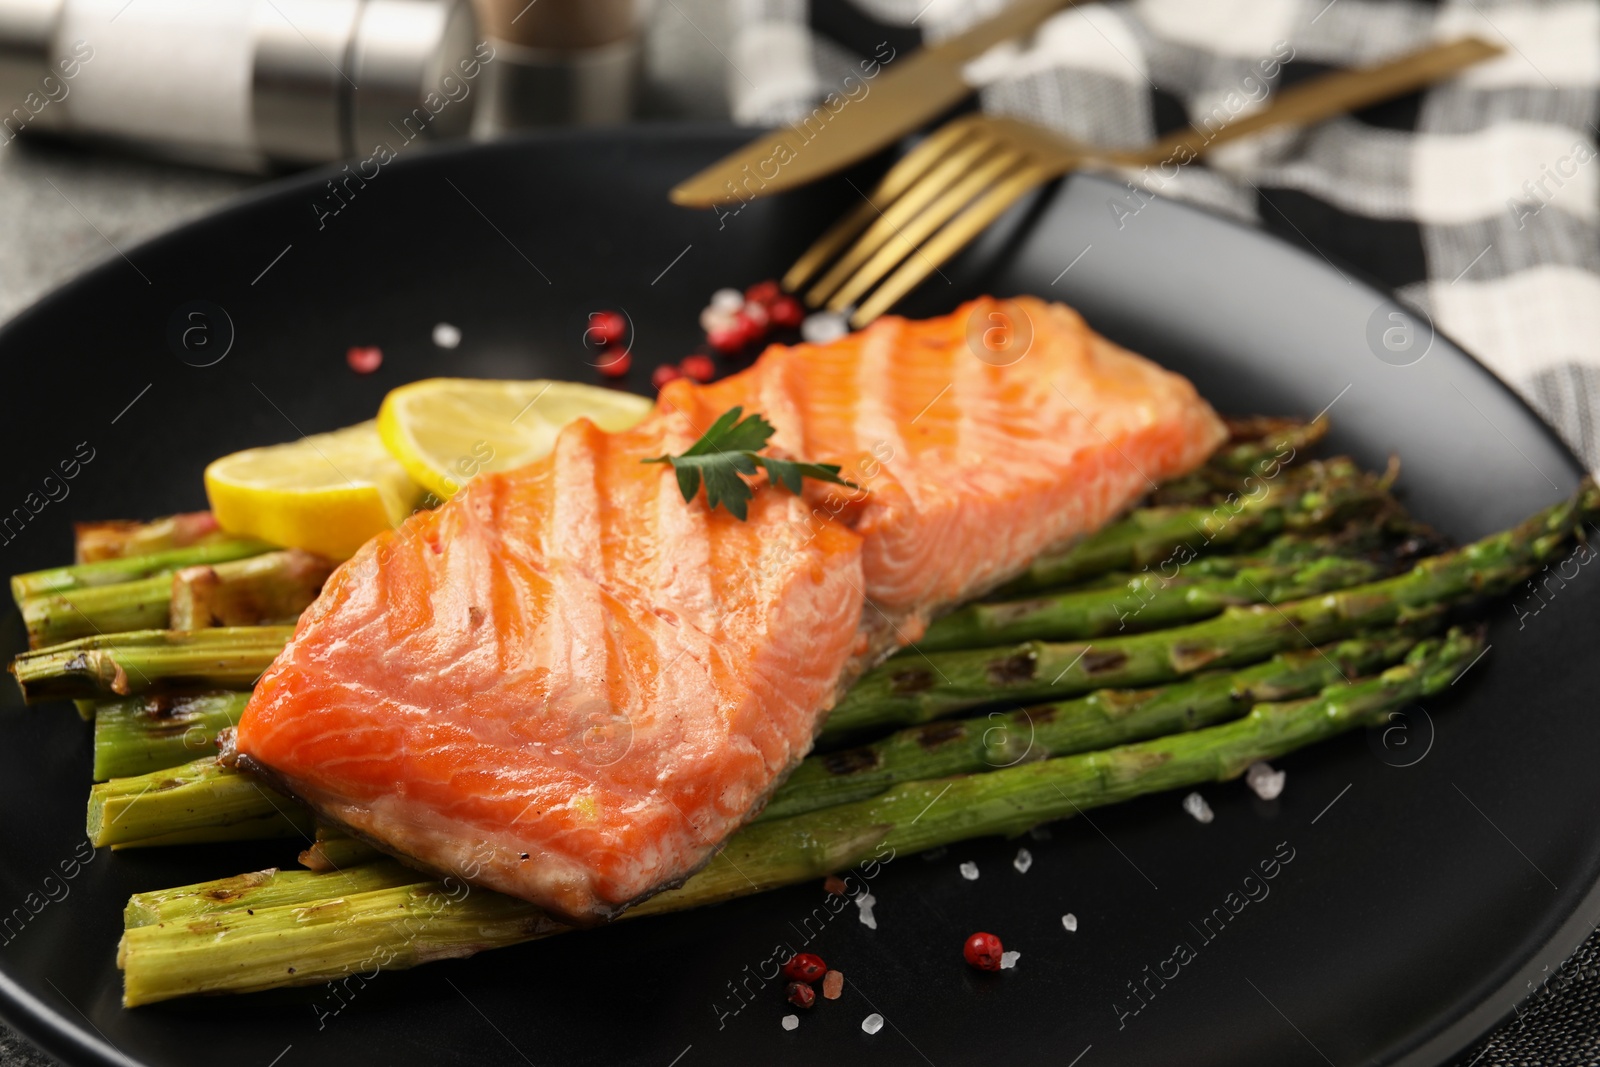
(1476, 201)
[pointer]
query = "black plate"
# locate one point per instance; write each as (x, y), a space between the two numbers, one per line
(1421, 900)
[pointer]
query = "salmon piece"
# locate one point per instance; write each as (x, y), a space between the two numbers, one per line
(566, 684)
(973, 468)
(569, 685)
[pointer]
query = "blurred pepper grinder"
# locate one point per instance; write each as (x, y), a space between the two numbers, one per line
(560, 62)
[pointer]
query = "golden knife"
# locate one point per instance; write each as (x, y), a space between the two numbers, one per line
(906, 93)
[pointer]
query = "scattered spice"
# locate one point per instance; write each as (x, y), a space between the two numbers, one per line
(614, 363)
(733, 320)
(1023, 861)
(820, 327)
(1196, 805)
(872, 1023)
(983, 951)
(969, 871)
(1009, 960)
(446, 335)
(805, 967)
(786, 313)
(698, 367)
(833, 985)
(865, 902)
(800, 995)
(1265, 782)
(664, 374)
(835, 885)
(606, 328)
(364, 359)
(790, 1022)
(1070, 922)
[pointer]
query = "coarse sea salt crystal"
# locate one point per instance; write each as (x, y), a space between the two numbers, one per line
(1070, 922)
(791, 1021)
(872, 1023)
(1196, 805)
(833, 985)
(1009, 960)
(727, 301)
(820, 327)
(865, 902)
(969, 871)
(713, 319)
(1023, 861)
(446, 335)
(1266, 782)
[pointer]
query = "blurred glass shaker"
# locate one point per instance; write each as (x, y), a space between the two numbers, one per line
(560, 62)
(241, 83)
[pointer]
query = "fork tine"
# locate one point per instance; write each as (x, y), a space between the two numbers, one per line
(893, 217)
(913, 165)
(905, 240)
(954, 237)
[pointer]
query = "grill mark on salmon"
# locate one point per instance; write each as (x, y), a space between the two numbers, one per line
(570, 685)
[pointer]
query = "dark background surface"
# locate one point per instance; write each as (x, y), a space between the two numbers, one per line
(1423, 896)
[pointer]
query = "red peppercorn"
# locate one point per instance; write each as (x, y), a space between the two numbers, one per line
(983, 951)
(605, 328)
(786, 312)
(757, 314)
(800, 995)
(806, 967)
(730, 338)
(614, 363)
(364, 359)
(763, 292)
(666, 373)
(698, 367)
(753, 330)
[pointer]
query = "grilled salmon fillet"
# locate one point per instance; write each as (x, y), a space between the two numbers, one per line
(569, 685)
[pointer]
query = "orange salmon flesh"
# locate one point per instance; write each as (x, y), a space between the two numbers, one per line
(569, 685)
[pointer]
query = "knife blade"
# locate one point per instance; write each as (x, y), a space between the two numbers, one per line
(904, 96)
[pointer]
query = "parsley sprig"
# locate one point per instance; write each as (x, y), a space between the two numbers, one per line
(731, 448)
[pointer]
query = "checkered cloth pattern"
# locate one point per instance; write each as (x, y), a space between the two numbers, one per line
(1475, 202)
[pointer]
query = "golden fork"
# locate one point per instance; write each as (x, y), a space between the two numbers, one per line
(961, 177)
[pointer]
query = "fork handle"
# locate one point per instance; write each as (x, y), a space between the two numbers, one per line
(1329, 95)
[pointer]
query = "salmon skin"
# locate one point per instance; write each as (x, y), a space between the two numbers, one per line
(569, 685)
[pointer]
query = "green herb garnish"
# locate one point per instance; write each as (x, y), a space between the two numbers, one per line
(729, 449)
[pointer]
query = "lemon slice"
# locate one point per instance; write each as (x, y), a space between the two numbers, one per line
(327, 493)
(446, 430)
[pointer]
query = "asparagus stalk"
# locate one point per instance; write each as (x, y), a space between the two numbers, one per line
(1147, 601)
(212, 797)
(197, 802)
(136, 735)
(262, 889)
(1320, 496)
(119, 538)
(1101, 719)
(273, 587)
(904, 692)
(315, 939)
(1260, 446)
(112, 570)
(149, 660)
(96, 609)
(1256, 440)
